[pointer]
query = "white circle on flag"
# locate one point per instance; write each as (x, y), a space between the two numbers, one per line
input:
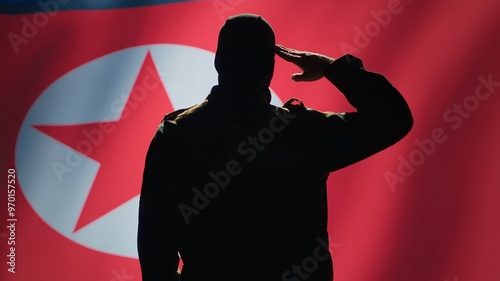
(85, 95)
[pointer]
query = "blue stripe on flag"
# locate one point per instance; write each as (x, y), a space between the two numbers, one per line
(33, 6)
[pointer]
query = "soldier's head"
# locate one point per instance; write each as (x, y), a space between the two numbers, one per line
(245, 51)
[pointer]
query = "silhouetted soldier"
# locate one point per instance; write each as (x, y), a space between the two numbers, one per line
(237, 186)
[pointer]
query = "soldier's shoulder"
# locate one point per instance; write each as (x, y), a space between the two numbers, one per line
(307, 115)
(294, 105)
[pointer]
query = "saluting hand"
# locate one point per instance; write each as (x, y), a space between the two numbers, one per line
(313, 65)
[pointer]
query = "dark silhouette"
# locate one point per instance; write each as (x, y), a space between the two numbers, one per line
(237, 186)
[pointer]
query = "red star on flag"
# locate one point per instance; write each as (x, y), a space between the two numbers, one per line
(119, 146)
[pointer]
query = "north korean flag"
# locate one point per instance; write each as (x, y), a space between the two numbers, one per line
(84, 85)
